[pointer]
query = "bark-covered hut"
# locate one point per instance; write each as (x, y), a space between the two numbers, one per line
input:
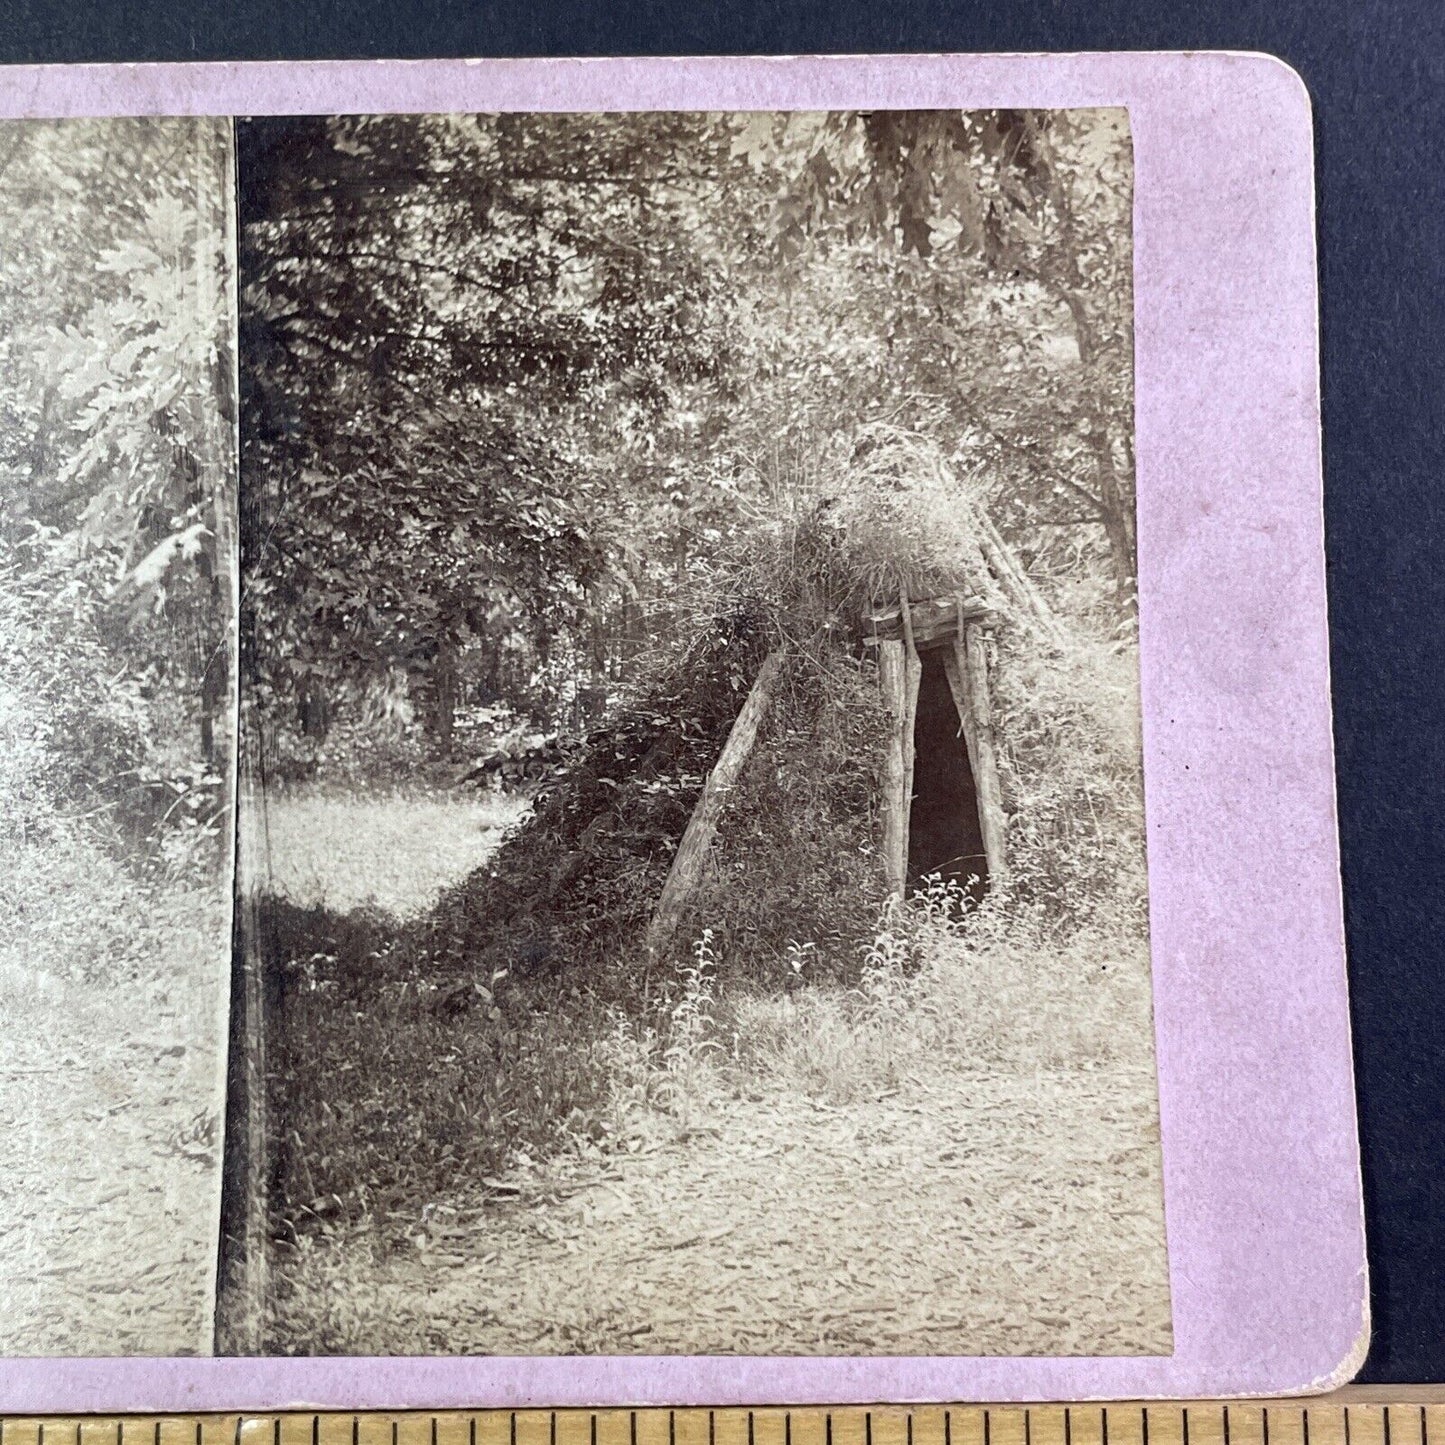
(827, 740)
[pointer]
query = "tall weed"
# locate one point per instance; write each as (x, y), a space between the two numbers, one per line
(999, 989)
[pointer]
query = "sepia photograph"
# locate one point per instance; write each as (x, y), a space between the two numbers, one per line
(691, 880)
(117, 728)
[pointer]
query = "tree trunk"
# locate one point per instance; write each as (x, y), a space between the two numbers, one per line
(1118, 519)
(634, 632)
(313, 710)
(444, 696)
(967, 671)
(216, 687)
(691, 856)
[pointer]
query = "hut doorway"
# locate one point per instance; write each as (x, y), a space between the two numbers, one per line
(945, 834)
(942, 807)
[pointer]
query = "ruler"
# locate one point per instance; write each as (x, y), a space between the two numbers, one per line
(1406, 1417)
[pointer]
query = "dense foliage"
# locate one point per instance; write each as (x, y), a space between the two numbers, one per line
(512, 384)
(116, 486)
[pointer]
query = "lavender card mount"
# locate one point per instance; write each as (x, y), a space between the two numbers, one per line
(667, 736)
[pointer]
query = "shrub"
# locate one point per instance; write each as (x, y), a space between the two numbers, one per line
(92, 733)
(74, 730)
(393, 1086)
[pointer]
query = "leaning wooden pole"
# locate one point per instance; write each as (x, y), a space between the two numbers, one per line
(691, 856)
(967, 672)
(1016, 581)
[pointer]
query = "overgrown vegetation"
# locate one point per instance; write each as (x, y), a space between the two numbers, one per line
(527, 993)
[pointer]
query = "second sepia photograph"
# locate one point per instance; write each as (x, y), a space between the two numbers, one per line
(692, 893)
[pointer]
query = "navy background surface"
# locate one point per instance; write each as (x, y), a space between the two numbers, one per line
(1377, 73)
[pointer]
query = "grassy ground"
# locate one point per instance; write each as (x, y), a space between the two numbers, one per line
(111, 1092)
(394, 851)
(957, 1213)
(960, 1155)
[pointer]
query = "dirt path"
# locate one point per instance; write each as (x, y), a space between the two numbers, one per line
(109, 1165)
(1029, 1224)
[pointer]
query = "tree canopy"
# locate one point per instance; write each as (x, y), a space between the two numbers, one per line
(512, 385)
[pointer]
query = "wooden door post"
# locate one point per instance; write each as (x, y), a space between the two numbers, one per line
(898, 676)
(967, 671)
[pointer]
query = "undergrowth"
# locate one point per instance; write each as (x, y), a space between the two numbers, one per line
(75, 919)
(489, 1079)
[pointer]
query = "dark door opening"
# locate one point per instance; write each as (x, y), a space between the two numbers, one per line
(944, 835)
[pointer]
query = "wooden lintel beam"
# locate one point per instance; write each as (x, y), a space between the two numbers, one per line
(934, 620)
